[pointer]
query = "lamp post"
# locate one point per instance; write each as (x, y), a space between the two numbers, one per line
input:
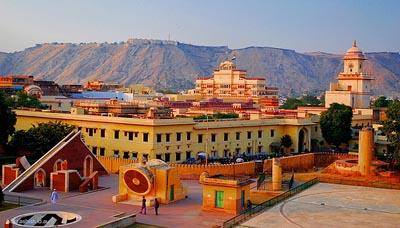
(206, 139)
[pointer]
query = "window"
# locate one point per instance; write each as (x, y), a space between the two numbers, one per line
(188, 154)
(260, 134)
(178, 136)
(168, 137)
(79, 128)
(237, 150)
(248, 150)
(102, 133)
(130, 136)
(167, 157)
(102, 151)
(145, 156)
(213, 137)
(200, 138)
(188, 136)
(272, 132)
(316, 129)
(116, 134)
(226, 153)
(126, 155)
(116, 153)
(90, 131)
(94, 150)
(226, 137)
(177, 156)
(159, 137)
(145, 137)
(249, 135)
(136, 134)
(158, 156)
(134, 155)
(237, 135)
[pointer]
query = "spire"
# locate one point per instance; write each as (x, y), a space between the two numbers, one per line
(355, 43)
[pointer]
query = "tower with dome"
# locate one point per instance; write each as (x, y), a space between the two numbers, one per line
(353, 86)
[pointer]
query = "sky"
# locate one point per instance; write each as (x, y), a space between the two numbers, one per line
(301, 25)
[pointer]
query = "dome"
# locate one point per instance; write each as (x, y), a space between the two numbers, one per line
(354, 52)
(227, 65)
(33, 90)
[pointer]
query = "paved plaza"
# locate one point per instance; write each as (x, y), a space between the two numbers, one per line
(331, 205)
(96, 208)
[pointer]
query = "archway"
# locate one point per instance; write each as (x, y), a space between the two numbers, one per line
(87, 166)
(40, 178)
(57, 165)
(303, 140)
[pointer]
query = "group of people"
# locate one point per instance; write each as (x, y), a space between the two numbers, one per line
(156, 206)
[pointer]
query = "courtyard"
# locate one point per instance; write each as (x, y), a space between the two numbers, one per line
(96, 208)
(332, 205)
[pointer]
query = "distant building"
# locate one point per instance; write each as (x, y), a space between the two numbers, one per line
(353, 87)
(228, 82)
(101, 86)
(49, 88)
(13, 83)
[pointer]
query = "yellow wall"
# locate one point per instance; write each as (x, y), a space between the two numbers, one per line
(25, 119)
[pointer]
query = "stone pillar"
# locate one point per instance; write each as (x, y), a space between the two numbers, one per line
(365, 150)
(276, 175)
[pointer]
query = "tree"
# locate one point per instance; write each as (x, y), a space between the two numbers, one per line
(7, 120)
(292, 103)
(286, 141)
(310, 100)
(382, 102)
(336, 124)
(40, 139)
(391, 128)
(24, 100)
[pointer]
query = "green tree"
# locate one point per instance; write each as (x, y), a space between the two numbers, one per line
(391, 128)
(39, 139)
(310, 100)
(7, 121)
(286, 141)
(24, 100)
(292, 103)
(336, 124)
(382, 102)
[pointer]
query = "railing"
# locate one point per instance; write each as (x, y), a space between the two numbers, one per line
(247, 214)
(21, 200)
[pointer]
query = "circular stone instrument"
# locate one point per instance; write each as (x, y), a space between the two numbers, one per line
(139, 180)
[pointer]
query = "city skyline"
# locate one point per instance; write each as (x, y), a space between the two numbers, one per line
(302, 26)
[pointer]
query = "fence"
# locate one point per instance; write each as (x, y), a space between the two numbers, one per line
(112, 164)
(21, 200)
(247, 214)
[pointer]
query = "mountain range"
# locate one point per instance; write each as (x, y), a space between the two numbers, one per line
(174, 65)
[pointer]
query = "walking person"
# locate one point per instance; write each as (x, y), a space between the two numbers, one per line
(249, 204)
(143, 206)
(156, 206)
(54, 196)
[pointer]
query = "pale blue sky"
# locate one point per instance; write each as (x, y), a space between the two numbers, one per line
(307, 25)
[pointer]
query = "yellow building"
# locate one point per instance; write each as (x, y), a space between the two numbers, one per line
(178, 139)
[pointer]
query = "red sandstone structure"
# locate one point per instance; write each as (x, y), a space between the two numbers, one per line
(68, 166)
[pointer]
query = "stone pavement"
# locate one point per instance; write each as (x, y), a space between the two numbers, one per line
(332, 205)
(97, 208)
